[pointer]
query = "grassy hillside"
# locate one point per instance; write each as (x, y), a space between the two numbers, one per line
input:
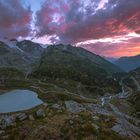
(10, 73)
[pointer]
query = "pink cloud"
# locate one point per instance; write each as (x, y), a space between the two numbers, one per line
(14, 19)
(81, 21)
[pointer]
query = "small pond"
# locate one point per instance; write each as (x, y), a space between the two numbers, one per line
(18, 100)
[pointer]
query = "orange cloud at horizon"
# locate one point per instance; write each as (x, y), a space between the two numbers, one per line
(124, 45)
(124, 52)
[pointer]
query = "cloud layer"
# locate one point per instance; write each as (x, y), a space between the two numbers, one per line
(14, 19)
(75, 21)
(106, 27)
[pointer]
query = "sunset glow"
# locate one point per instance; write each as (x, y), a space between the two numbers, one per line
(105, 27)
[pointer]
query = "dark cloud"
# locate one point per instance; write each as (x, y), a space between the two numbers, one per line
(14, 19)
(79, 20)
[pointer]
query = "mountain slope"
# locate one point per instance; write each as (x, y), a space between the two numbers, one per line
(59, 61)
(76, 59)
(110, 59)
(133, 81)
(30, 48)
(103, 63)
(10, 73)
(14, 55)
(128, 63)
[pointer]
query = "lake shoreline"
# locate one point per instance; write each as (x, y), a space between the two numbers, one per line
(18, 100)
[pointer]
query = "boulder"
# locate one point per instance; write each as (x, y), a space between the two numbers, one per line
(45, 105)
(74, 107)
(40, 113)
(6, 121)
(2, 132)
(95, 118)
(21, 116)
(95, 126)
(125, 128)
(57, 106)
(71, 122)
(31, 118)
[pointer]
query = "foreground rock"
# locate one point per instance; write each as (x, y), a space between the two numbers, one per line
(40, 113)
(21, 116)
(97, 109)
(31, 118)
(6, 121)
(57, 107)
(74, 107)
(2, 132)
(127, 129)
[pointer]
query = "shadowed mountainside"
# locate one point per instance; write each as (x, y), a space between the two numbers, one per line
(128, 63)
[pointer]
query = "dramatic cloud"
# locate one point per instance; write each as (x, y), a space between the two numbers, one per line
(114, 50)
(127, 45)
(75, 21)
(106, 27)
(14, 19)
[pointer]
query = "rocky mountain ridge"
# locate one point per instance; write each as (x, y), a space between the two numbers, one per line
(27, 52)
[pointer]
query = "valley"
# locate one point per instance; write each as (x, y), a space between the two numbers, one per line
(69, 69)
(113, 113)
(84, 97)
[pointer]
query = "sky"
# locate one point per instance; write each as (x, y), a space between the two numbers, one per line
(106, 27)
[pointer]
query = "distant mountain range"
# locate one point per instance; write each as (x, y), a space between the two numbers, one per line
(128, 63)
(110, 59)
(56, 61)
(25, 54)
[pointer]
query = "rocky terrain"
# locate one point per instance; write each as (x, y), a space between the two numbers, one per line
(133, 81)
(82, 99)
(65, 115)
